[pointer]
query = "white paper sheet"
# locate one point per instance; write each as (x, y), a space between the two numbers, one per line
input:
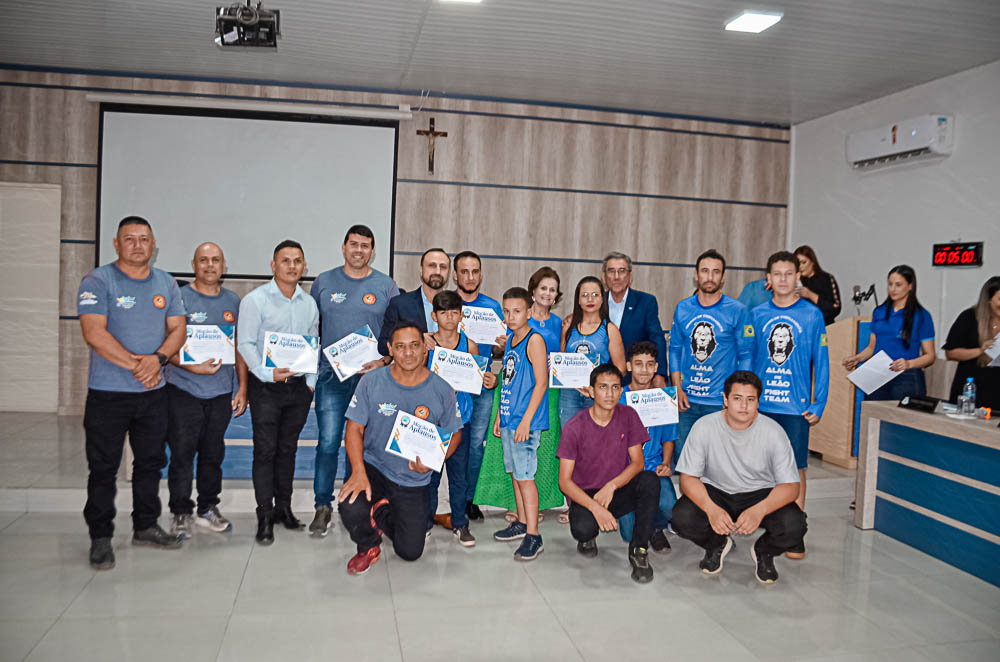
(569, 370)
(655, 406)
(295, 352)
(413, 437)
(349, 355)
(209, 341)
(482, 325)
(874, 373)
(463, 371)
(994, 352)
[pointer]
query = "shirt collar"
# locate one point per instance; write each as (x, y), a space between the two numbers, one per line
(274, 290)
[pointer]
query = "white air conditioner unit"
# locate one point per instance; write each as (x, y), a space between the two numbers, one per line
(918, 138)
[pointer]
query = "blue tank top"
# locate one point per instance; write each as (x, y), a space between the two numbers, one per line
(594, 345)
(550, 330)
(517, 381)
(464, 399)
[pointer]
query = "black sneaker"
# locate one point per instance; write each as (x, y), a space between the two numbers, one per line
(712, 563)
(473, 512)
(531, 547)
(658, 541)
(763, 565)
(638, 558)
(155, 536)
(265, 529)
(587, 548)
(102, 557)
(464, 537)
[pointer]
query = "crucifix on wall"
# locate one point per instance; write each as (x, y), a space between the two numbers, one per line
(432, 136)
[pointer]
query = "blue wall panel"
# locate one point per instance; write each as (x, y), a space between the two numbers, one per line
(960, 457)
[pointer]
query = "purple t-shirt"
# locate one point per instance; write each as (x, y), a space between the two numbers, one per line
(600, 453)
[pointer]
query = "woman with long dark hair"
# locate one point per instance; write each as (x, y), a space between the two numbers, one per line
(905, 331)
(975, 331)
(818, 286)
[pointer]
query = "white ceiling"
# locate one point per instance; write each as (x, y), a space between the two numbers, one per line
(665, 56)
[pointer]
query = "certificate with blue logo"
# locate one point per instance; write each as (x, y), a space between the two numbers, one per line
(482, 325)
(292, 351)
(206, 342)
(349, 355)
(413, 437)
(463, 371)
(569, 370)
(655, 406)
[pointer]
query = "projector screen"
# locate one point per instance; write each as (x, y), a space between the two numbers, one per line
(246, 181)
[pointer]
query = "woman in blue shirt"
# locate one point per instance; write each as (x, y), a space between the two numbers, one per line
(905, 331)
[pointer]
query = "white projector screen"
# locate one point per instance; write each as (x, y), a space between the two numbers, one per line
(246, 181)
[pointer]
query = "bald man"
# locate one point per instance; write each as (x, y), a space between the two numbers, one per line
(202, 398)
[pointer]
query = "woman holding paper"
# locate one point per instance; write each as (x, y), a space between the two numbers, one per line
(972, 342)
(904, 330)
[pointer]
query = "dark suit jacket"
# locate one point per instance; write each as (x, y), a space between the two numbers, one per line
(409, 307)
(641, 321)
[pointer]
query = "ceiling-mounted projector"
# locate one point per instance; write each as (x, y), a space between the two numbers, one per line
(247, 26)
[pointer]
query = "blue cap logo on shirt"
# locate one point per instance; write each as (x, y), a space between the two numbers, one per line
(125, 302)
(338, 297)
(197, 318)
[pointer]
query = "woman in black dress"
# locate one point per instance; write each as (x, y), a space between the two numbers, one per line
(818, 286)
(974, 332)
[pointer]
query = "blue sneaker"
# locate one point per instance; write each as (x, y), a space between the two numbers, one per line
(530, 548)
(514, 531)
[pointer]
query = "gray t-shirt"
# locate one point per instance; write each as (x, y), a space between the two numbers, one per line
(377, 399)
(223, 310)
(136, 312)
(346, 304)
(737, 461)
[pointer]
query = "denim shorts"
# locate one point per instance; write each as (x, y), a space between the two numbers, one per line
(520, 459)
(797, 428)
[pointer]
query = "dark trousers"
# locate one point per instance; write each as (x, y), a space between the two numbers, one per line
(277, 412)
(107, 417)
(458, 470)
(196, 426)
(640, 495)
(784, 529)
(404, 520)
(909, 382)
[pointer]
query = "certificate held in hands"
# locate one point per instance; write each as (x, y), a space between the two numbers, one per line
(463, 371)
(349, 355)
(412, 437)
(569, 370)
(655, 406)
(291, 351)
(209, 342)
(482, 325)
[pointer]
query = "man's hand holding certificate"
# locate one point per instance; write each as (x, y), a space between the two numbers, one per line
(482, 325)
(413, 437)
(291, 351)
(569, 370)
(209, 342)
(463, 371)
(349, 355)
(655, 406)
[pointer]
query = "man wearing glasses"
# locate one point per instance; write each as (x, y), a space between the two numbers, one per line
(635, 313)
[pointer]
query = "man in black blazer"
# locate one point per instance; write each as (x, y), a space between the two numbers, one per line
(415, 306)
(635, 313)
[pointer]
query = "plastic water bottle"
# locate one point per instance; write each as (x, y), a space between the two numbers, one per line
(969, 397)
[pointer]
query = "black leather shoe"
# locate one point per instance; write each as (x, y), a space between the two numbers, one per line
(265, 529)
(155, 536)
(102, 557)
(587, 548)
(284, 515)
(473, 512)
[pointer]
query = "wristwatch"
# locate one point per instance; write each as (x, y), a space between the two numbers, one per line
(161, 357)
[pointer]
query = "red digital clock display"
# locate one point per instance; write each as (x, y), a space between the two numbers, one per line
(957, 255)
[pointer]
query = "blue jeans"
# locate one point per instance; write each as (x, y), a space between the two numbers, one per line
(909, 382)
(685, 420)
(332, 398)
(571, 402)
(626, 523)
(479, 423)
(456, 465)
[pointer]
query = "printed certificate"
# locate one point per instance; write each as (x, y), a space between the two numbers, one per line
(413, 437)
(569, 370)
(655, 406)
(209, 341)
(873, 373)
(292, 351)
(482, 325)
(463, 371)
(349, 355)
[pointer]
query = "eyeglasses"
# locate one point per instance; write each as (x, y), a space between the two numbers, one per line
(617, 272)
(590, 295)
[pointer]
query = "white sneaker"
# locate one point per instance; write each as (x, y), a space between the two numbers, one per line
(213, 521)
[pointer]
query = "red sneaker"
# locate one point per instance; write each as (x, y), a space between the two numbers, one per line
(375, 506)
(360, 562)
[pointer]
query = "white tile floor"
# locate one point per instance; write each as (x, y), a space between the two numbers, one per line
(857, 596)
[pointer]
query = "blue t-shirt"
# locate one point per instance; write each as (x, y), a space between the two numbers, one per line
(652, 450)
(754, 293)
(517, 381)
(709, 344)
(223, 308)
(887, 331)
(136, 312)
(346, 304)
(550, 330)
(595, 345)
(790, 353)
(374, 405)
(464, 399)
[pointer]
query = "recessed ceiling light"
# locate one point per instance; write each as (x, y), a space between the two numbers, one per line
(753, 21)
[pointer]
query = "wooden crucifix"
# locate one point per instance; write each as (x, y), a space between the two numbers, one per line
(432, 136)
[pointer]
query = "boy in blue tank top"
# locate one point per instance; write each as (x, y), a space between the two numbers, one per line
(523, 415)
